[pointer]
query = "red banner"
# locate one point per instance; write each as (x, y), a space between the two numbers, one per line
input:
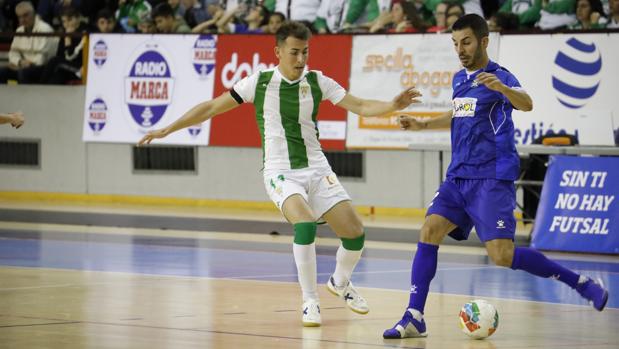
(241, 55)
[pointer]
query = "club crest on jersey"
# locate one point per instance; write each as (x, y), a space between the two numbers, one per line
(99, 53)
(149, 86)
(97, 115)
(304, 90)
(464, 107)
(204, 51)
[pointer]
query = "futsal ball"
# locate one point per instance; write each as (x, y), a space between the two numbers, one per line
(478, 319)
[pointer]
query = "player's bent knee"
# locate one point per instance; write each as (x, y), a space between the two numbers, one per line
(432, 234)
(501, 257)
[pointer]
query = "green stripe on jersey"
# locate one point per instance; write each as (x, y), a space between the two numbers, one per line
(289, 111)
(261, 87)
(312, 79)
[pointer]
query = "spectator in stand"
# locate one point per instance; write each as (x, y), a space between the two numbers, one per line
(90, 10)
(590, 15)
(106, 22)
(195, 13)
(15, 119)
(177, 7)
(398, 20)
(440, 16)
(613, 22)
(67, 65)
(453, 12)
(554, 14)
(147, 25)
(251, 24)
(130, 12)
(275, 21)
(526, 11)
(166, 21)
(304, 11)
(28, 54)
(216, 12)
(51, 10)
(503, 22)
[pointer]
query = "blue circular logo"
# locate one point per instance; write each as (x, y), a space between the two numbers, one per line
(148, 88)
(576, 74)
(97, 115)
(204, 51)
(99, 55)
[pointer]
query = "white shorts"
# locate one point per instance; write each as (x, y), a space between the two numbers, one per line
(318, 186)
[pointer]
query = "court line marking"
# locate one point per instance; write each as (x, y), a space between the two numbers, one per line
(193, 278)
(45, 324)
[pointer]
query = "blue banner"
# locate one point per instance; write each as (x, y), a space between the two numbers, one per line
(578, 209)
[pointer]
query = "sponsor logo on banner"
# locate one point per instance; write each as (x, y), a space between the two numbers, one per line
(149, 86)
(97, 115)
(464, 107)
(232, 71)
(403, 62)
(99, 53)
(392, 120)
(204, 51)
(195, 130)
(577, 72)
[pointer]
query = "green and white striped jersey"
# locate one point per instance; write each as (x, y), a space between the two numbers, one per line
(286, 113)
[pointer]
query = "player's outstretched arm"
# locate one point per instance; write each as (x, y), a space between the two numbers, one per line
(15, 119)
(195, 115)
(518, 98)
(412, 123)
(368, 107)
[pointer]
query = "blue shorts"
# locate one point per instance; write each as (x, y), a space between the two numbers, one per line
(487, 204)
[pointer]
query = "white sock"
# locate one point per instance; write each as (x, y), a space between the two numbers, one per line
(305, 259)
(346, 262)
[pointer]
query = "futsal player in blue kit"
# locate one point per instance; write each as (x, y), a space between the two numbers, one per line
(479, 189)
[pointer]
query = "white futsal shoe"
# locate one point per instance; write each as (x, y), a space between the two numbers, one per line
(349, 293)
(311, 313)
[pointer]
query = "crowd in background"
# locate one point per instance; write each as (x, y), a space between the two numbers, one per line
(58, 60)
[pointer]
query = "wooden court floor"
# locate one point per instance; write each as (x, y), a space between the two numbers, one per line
(74, 286)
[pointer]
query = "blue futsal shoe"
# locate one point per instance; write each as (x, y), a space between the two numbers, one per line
(594, 292)
(412, 325)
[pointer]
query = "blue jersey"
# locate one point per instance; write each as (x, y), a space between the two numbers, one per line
(482, 131)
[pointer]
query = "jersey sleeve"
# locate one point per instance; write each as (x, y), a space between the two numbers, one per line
(245, 89)
(331, 90)
(510, 81)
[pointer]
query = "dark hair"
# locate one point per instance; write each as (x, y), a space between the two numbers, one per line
(291, 28)
(70, 12)
(264, 12)
(412, 15)
(507, 21)
(105, 13)
(163, 10)
(596, 6)
(474, 22)
(281, 15)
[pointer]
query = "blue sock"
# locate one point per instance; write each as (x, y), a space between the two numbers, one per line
(423, 271)
(534, 262)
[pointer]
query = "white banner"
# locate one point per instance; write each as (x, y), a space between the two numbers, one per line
(138, 83)
(573, 80)
(384, 65)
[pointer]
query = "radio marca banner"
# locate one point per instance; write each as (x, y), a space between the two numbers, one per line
(573, 81)
(384, 65)
(139, 83)
(578, 210)
(241, 55)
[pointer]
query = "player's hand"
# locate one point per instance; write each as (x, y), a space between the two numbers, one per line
(411, 123)
(17, 119)
(406, 98)
(490, 81)
(152, 135)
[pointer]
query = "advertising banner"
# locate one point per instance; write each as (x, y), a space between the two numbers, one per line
(384, 65)
(572, 79)
(578, 210)
(138, 83)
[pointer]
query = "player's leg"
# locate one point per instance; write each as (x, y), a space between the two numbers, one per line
(298, 213)
(445, 215)
(287, 190)
(347, 225)
(504, 253)
(491, 210)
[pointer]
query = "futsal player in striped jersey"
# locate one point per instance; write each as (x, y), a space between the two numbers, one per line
(297, 176)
